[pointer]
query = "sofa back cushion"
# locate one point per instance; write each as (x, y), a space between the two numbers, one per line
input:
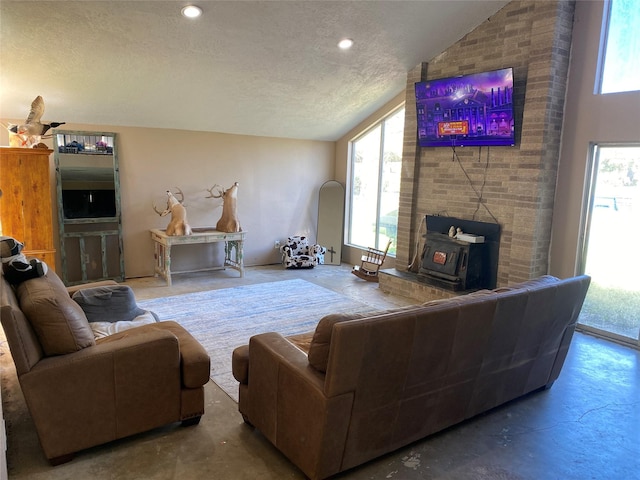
(321, 341)
(59, 323)
(23, 342)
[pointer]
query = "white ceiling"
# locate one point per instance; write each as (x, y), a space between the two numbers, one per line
(267, 68)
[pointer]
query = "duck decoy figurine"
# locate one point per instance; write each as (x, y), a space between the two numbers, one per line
(30, 132)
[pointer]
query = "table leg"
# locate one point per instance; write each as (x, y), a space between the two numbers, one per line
(237, 262)
(156, 258)
(239, 258)
(167, 264)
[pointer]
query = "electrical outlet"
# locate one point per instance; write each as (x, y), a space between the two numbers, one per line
(276, 245)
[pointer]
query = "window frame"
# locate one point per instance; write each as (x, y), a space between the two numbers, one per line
(350, 178)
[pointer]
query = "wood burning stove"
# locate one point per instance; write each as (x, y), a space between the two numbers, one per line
(453, 264)
(457, 265)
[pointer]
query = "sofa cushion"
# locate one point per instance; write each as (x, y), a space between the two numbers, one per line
(302, 341)
(319, 348)
(108, 303)
(104, 329)
(59, 323)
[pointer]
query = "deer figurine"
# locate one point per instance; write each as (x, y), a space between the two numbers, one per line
(229, 220)
(178, 224)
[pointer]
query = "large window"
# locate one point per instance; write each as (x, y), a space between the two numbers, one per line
(620, 49)
(608, 253)
(374, 187)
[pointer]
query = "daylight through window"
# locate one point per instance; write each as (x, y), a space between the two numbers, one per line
(620, 51)
(374, 187)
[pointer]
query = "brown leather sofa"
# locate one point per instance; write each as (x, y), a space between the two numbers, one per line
(361, 386)
(83, 392)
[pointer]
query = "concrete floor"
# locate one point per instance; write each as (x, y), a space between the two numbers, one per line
(586, 427)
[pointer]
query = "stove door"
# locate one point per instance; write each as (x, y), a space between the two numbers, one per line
(442, 257)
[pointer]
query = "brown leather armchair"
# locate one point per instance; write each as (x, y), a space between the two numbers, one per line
(83, 392)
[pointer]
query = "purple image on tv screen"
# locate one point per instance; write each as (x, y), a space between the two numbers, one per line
(468, 110)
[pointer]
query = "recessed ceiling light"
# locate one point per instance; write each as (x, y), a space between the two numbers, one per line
(191, 11)
(345, 43)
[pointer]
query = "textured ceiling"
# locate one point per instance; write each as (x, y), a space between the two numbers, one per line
(267, 68)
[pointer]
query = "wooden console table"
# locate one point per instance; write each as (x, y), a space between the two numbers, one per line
(233, 244)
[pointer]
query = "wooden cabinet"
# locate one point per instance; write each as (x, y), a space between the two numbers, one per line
(25, 203)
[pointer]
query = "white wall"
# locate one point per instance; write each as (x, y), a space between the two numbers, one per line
(278, 194)
(588, 119)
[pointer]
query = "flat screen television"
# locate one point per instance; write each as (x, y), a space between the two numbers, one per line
(468, 110)
(89, 203)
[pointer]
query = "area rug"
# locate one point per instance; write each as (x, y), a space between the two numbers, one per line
(222, 320)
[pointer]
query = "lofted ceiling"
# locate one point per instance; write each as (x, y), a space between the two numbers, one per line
(267, 68)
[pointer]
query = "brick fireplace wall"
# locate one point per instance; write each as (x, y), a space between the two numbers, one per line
(517, 184)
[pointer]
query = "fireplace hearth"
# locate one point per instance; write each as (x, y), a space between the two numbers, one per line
(458, 265)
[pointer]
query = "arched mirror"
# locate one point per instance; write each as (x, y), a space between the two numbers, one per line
(331, 220)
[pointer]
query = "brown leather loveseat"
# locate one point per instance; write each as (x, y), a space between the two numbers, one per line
(83, 392)
(371, 384)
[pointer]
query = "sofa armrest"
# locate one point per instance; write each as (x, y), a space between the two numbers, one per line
(195, 361)
(106, 391)
(270, 352)
(121, 345)
(288, 405)
(240, 364)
